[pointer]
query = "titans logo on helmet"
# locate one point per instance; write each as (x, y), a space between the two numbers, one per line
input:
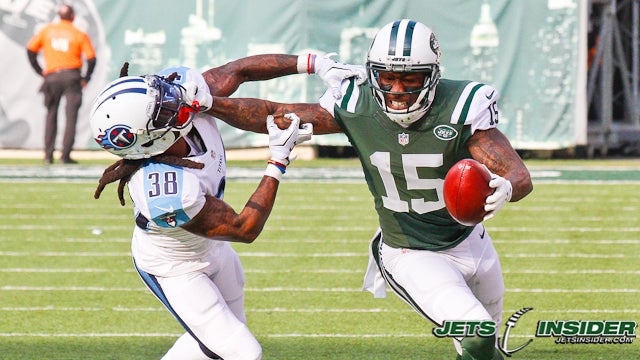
(117, 137)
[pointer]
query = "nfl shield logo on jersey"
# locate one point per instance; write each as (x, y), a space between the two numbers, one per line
(403, 139)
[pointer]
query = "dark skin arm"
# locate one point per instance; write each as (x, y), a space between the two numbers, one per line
(489, 147)
(493, 149)
(218, 221)
(225, 80)
(249, 114)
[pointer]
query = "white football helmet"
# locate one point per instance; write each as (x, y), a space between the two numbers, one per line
(137, 117)
(405, 46)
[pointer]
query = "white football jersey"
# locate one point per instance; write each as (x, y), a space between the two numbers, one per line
(166, 197)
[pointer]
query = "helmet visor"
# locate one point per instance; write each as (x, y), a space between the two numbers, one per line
(170, 108)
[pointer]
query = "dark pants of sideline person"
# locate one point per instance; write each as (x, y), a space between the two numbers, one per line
(67, 83)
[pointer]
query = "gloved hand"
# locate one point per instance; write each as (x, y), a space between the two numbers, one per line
(332, 73)
(501, 195)
(282, 141)
(191, 93)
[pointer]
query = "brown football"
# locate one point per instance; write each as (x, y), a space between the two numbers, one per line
(466, 188)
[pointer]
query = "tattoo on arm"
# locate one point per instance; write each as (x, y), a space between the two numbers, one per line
(217, 219)
(493, 149)
(251, 114)
(225, 80)
(245, 114)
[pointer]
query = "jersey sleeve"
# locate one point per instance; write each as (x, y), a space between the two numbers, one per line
(349, 93)
(87, 47)
(478, 106)
(35, 43)
(168, 196)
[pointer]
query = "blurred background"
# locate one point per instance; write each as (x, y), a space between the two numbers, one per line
(567, 70)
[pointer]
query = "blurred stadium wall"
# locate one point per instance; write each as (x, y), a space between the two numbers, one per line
(534, 52)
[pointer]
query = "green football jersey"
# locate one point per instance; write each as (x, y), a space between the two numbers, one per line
(405, 167)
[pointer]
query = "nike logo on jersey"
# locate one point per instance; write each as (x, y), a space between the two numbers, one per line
(484, 231)
(169, 210)
(490, 95)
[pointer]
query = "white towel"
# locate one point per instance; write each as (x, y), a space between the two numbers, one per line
(373, 280)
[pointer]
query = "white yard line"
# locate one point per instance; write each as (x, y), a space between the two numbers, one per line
(304, 255)
(291, 289)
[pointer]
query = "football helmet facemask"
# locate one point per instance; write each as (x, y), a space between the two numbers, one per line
(405, 46)
(137, 117)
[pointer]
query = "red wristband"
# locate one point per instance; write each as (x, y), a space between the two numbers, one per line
(282, 167)
(311, 60)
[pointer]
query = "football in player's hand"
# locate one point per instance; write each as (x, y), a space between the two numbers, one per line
(466, 188)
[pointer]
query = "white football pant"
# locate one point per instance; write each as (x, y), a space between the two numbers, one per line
(461, 283)
(210, 305)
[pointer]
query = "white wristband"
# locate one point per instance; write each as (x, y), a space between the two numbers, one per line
(306, 64)
(273, 171)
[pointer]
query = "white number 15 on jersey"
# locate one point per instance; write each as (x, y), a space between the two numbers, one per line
(410, 163)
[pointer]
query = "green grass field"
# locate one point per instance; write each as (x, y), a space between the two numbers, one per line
(68, 289)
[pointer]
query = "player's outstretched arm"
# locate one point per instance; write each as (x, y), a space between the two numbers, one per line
(225, 80)
(249, 114)
(492, 148)
(218, 220)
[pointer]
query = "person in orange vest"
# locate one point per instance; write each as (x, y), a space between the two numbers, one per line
(63, 45)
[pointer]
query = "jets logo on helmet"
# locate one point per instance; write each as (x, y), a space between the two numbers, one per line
(435, 46)
(118, 137)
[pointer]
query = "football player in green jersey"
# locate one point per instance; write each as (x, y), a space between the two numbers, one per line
(408, 128)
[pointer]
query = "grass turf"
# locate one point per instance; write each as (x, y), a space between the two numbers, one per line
(68, 290)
